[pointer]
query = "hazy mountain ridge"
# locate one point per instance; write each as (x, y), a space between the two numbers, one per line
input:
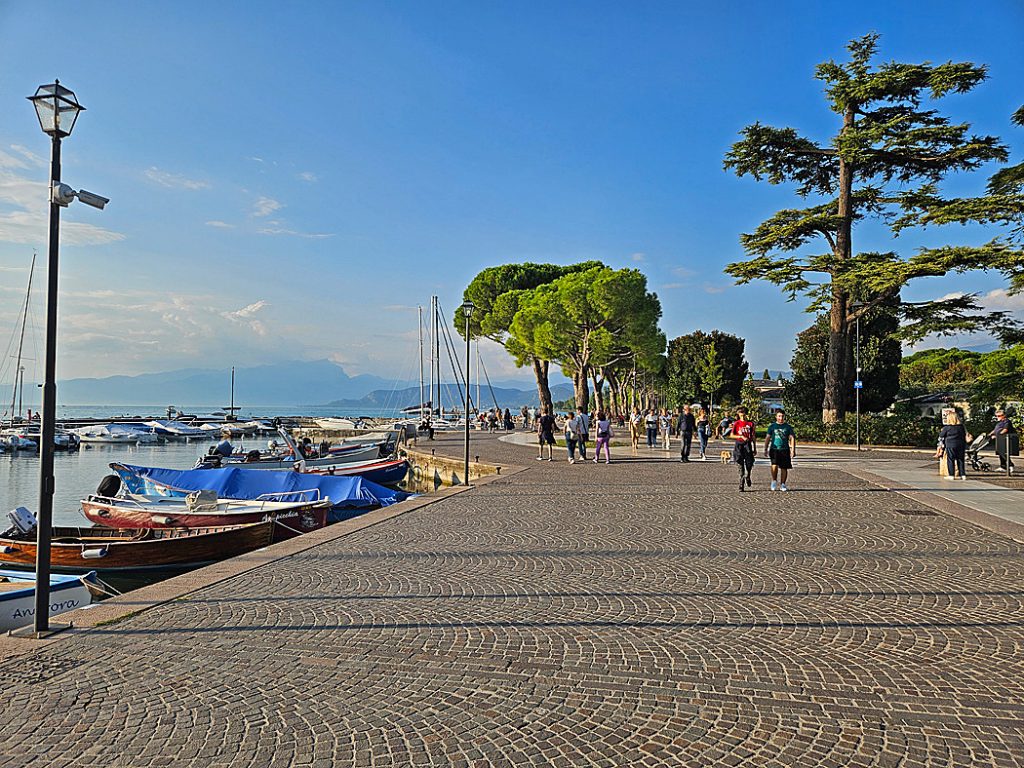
(289, 383)
(396, 399)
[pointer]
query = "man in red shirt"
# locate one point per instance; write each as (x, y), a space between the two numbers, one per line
(745, 448)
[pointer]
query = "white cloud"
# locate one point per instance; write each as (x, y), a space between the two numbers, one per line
(264, 206)
(28, 154)
(173, 180)
(639, 257)
(220, 224)
(672, 286)
(308, 176)
(27, 224)
(1000, 299)
(246, 311)
(683, 272)
(293, 233)
(709, 288)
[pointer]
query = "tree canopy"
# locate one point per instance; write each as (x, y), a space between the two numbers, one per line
(885, 161)
(594, 319)
(705, 367)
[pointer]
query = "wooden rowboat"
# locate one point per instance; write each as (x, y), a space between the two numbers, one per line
(106, 550)
(138, 511)
(18, 596)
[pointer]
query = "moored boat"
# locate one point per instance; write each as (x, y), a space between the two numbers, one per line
(104, 550)
(343, 492)
(18, 594)
(203, 509)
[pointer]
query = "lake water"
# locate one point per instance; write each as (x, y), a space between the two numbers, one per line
(77, 473)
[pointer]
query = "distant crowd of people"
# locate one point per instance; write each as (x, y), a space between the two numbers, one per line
(660, 427)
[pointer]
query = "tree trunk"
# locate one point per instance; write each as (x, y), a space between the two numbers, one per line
(540, 371)
(833, 407)
(581, 388)
(598, 390)
(615, 393)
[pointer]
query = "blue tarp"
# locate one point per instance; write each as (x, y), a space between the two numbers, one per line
(238, 483)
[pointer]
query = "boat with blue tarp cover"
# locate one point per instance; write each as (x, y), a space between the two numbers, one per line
(345, 493)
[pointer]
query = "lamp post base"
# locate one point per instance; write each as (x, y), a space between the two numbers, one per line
(30, 633)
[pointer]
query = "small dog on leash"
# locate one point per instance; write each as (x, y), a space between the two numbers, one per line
(725, 456)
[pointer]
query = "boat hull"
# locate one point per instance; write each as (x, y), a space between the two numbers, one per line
(172, 512)
(381, 472)
(139, 549)
(18, 606)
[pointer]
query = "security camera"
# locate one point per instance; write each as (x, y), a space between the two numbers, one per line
(62, 194)
(90, 198)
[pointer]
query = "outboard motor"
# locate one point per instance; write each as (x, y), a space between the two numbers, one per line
(109, 486)
(22, 521)
(252, 456)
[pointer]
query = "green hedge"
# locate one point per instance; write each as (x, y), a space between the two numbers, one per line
(875, 429)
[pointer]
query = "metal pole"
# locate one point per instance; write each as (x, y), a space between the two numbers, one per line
(48, 427)
(466, 476)
(857, 390)
(419, 330)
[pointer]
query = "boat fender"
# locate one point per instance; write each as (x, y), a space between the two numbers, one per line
(109, 486)
(6, 549)
(94, 554)
(162, 519)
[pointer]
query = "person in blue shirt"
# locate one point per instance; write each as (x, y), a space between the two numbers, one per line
(780, 445)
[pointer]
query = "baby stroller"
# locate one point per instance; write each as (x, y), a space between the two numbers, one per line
(980, 443)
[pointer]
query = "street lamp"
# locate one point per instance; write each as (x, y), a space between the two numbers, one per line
(467, 312)
(858, 383)
(57, 110)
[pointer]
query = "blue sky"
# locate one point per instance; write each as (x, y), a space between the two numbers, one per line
(291, 180)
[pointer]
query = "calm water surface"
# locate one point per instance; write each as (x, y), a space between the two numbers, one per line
(77, 474)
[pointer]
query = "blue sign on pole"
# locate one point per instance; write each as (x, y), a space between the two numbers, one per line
(858, 384)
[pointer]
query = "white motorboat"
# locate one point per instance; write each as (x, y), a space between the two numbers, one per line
(18, 596)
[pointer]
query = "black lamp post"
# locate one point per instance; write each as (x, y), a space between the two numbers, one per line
(57, 109)
(857, 305)
(467, 312)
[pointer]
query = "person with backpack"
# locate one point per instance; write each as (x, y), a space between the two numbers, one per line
(604, 436)
(744, 448)
(651, 421)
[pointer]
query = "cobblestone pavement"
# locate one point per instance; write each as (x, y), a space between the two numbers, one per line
(642, 613)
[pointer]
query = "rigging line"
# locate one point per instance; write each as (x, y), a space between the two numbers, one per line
(459, 380)
(392, 396)
(488, 379)
(21, 341)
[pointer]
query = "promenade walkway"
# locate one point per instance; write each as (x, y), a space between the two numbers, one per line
(639, 614)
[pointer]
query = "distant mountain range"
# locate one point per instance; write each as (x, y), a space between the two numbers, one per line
(451, 396)
(299, 382)
(291, 383)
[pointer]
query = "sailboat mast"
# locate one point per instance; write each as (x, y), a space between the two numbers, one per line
(478, 401)
(232, 390)
(21, 341)
(437, 357)
(419, 329)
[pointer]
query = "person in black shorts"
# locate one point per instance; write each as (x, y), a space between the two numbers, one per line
(780, 445)
(546, 434)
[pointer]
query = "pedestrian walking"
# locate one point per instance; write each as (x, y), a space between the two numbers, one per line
(725, 427)
(546, 435)
(604, 436)
(636, 421)
(583, 434)
(651, 421)
(1003, 427)
(532, 420)
(745, 448)
(571, 435)
(686, 427)
(525, 413)
(665, 428)
(780, 446)
(953, 441)
(703, 432)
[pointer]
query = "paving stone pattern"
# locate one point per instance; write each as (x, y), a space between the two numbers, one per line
(639, 614)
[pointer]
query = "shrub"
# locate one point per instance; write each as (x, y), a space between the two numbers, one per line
(875, 429)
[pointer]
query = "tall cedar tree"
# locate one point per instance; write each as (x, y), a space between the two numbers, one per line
(885, 162)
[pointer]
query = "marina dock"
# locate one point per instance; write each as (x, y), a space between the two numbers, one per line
(642, 613)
